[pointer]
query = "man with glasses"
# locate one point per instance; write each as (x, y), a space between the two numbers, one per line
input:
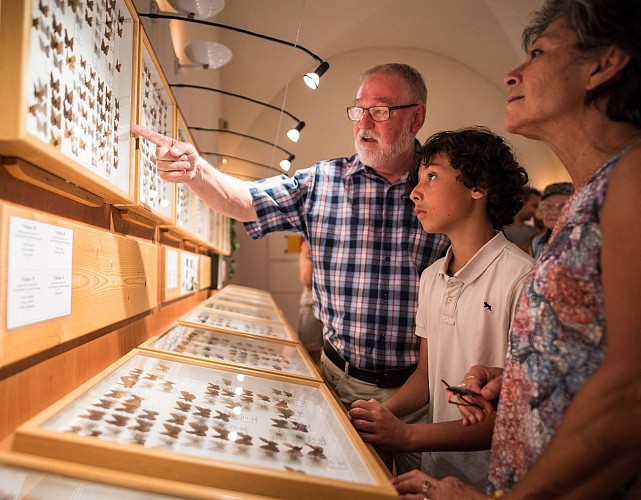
(368, 249)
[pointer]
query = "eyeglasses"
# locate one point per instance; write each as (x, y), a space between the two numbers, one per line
(549, 206)
(376, 113)
(460, 395)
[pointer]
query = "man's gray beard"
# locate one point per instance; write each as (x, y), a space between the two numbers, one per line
(386, 152)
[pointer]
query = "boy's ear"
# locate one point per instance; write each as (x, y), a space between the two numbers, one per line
(478, 193)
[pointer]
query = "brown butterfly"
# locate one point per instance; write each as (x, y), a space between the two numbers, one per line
(104, 403)
(294, 451)
(171, 430)
(119, 420)
(177, 419)
(270, 445)
(244, 439)
(94, 414)
(297, 426)
(279, 423)
(188, 396)
(222, 433)
(115, 394)
(198, 429)
(149, 414)
(317, 451)
(183, 406)
(222, 416)
(142, 425)
(202, 412)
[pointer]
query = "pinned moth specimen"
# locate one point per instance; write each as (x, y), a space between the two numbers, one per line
(128, 382)
(317, 451)
(183, 406)
(168, 385)
(149, 414)
(244, 439)
(162, 368)
(223, 433)
(188, 396)
(279, 423)
(222, 416)
(142, 425)
(202, 412)
(286, 413)
(129, 407)
(119, 420)
(114, 393)
(198, 429)
(294, 451)
(269, 445)
(263, 397)
(297, 426)
(94, 414)
(104, 403)
(171, 430)
(177, 419)
(227, 381)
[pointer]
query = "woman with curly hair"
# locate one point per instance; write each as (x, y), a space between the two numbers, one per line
(569, 407)
(468, 186)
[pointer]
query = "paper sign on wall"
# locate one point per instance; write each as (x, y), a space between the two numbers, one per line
(40, 272)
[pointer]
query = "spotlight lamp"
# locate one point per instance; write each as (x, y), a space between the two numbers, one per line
(312, 80)
(294, 133)
(286, 164)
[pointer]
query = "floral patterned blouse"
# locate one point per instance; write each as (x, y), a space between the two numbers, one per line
(558, 335)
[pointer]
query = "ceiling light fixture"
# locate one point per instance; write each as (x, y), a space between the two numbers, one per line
(312, 80)
(287, 164)
(294, 133)
(205, 55)
(199, 9)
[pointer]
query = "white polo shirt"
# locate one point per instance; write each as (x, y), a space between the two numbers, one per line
(466, 320)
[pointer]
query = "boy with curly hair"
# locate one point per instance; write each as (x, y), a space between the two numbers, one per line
(467, 186)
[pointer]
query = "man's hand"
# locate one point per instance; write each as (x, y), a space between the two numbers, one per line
(176, 161)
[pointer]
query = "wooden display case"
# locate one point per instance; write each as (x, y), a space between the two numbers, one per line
(155, 199)
(240, 298)
(68, 94)
(29, 477)
(243, 310)
(183, 272)
(227, 348)
(203, 317)
(226, 427)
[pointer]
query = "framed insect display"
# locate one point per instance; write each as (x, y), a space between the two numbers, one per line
(239, 296)
(228, 348)
(242, 309)
(226, 427)
(27, 476)
(184, 195)
(157, 111)
(227, 322)
(67, 107)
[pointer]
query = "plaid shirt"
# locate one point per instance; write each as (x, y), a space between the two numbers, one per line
(368, 251)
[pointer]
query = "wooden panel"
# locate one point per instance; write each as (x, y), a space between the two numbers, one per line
(205, 272)
(113, 278)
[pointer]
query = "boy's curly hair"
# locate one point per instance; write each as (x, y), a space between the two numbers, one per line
(485, 161)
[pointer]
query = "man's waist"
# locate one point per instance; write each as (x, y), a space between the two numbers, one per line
(381, 378)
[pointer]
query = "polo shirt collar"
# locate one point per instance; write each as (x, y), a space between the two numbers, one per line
(477, 264)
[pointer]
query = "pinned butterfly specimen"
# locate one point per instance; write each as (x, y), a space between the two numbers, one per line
(151, 376)
(149, 414)
(162, 368)
(88, 18)
(183, 406)
(282, 404)
(104, 403)
(119, 420)
(128, 407)
(269, 445)
(188, 396)
(279, 423)
(168, 385)
(202, 412)
(198, 429)
(263, 397)
(128, 382)
(278, 392)
(114, 393)
(94, 414)
(244, 439)
(57, 27)
(222, 416)
(317, 451)
(229, 393)
(43, 8)
(286, 413)
(68, 40)
(294, 451)
(177, 419)
(171, 430)
(297, 426)
(142, 425)
(222, 433)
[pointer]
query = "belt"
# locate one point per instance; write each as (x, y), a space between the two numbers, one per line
(384, 380)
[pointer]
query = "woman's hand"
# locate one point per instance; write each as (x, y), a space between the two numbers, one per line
(416, 485)
(486, 381)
